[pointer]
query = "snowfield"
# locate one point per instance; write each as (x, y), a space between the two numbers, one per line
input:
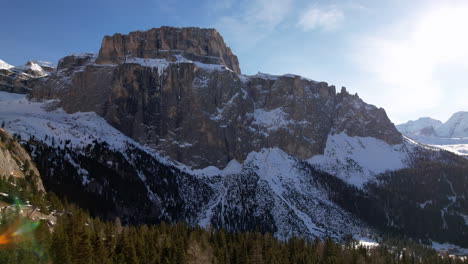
(358, 160)
(30, 119)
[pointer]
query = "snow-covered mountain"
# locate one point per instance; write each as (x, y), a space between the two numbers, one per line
(21, 79)
(162, 126)
(455, 127)
(425, 126)
(269, 187)
(5, 66)
(451, 135)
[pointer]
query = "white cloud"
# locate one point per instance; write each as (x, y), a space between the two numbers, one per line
(257, 20)
(325, 19)
(404, 62)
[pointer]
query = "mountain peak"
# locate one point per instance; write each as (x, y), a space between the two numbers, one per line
(197, 44)
(422, 126)
(456, 126)
(4, 65)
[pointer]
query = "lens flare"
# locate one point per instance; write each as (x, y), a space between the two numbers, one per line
(17, 230)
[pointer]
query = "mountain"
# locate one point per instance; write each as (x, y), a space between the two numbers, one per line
(425, 126)
(455, 127)
(161, 125)
(192, 105)
(21, 79)
(5, 66)
(451, 135)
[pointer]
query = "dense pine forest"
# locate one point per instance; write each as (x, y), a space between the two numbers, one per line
(68, 234)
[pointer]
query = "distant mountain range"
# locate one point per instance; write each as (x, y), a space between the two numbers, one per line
(451, 135)
(455, 127)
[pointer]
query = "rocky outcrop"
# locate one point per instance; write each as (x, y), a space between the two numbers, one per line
(356, 118)
(203, 45)
(205, 114)
(16, 162)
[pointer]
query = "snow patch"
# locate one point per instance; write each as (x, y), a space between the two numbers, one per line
(160, 64)
(358, 160)
(271, 119)
(233, 167)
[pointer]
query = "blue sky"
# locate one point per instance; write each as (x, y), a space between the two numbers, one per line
(410, 57)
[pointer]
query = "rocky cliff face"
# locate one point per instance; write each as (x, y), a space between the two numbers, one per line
(203, 45)
(179, 92)
(16, 162)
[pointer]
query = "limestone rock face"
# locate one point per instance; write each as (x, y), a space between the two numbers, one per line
(356, 118)
(204, 45)
(16, 162)
(200, 113)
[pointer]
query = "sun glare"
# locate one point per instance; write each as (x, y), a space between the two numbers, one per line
(441, 34)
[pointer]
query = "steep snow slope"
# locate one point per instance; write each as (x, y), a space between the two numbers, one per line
(4, 65)
(358, 160)
(297, 204)
(455, 127)
(415, 127)
(30, 119)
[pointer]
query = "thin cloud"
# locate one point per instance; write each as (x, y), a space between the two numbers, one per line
(258, 19)
(324, 19)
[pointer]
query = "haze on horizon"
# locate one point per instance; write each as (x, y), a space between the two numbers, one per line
(409, 57)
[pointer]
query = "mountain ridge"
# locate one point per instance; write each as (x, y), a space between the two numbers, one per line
(190, 139)
(149, 98)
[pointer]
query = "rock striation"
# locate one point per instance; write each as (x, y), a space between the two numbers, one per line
(180, 92)
(16, 162)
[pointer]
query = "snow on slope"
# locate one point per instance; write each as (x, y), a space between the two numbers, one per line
(455, 127)
(299, 205)
(28, 118)
(271, 120)
(45, 63)
(414, 127)
(292, 188)
(357, 160)
(4, 65)
(458, 146)
(162, 64)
